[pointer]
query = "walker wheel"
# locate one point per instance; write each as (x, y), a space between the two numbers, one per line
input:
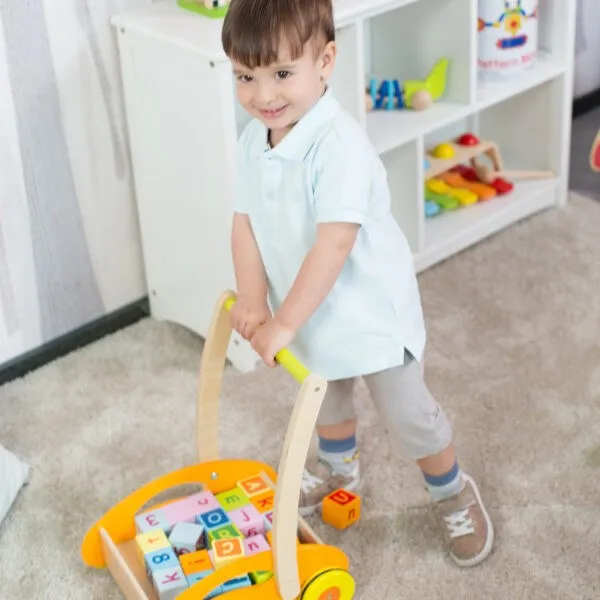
(335, 584)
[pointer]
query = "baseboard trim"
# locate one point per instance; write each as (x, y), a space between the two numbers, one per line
(586, 103)
(78, 338)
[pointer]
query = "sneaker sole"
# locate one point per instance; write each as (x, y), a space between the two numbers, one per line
(489, 542)
(307, 511)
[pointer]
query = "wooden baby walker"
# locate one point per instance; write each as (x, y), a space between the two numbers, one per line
(184, 549)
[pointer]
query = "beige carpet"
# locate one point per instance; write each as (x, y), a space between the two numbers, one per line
(514, 355)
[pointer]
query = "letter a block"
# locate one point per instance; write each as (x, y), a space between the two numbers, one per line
(341, 509)
(253, 486)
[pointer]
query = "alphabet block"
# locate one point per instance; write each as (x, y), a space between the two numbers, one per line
(264, 502)
(182, 510)
(222, 533)
(253, 486)
(213, 519)
(225, 551)
(196, 562)
(255, 544)
(187, 537)
(151, 520)
(341, 509)
(268, 517)
(196, 577)
(248, 520)
(203, 502)
(163, 558)
(232, 499)
(169, 583)
(150, 542)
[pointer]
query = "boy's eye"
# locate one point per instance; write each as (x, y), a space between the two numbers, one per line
(245, 78)
(283, 74)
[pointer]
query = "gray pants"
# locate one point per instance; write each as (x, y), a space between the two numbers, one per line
(408, 410)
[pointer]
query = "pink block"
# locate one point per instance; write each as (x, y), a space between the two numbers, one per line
(256, 544)
(268, 520)
(181, 511)
(248, 520)
(203, 502)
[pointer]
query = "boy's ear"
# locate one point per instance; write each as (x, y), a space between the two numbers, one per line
(328, 60)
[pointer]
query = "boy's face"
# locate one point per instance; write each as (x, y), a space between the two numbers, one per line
(282, 93)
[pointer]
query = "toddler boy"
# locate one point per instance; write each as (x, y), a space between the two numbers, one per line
(321, 265)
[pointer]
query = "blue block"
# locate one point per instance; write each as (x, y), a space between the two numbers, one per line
(196, 577)
(234, 584)
(213, 519)
(164, 558)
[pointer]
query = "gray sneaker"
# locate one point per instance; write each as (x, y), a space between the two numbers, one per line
(319, 480)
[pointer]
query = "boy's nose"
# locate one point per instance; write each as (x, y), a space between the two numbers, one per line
(266, 94)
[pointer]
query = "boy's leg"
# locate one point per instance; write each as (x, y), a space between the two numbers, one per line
(337, 463)
(423, 433)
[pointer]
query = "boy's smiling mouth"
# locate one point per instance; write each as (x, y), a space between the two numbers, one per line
(272, 113)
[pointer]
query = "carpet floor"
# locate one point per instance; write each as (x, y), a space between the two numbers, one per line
(513, 355)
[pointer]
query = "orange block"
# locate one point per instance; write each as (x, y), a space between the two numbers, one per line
(253, 486)
(341, 509)
(224, 551)
(264, 502)
(483, 191)
(195, 562)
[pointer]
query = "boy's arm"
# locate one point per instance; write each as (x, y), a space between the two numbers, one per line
(318, 274)
(250, 276)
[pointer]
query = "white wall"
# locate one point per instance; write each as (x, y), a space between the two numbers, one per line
(587, 62)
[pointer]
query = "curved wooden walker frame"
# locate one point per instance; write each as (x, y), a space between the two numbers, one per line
(110, 542)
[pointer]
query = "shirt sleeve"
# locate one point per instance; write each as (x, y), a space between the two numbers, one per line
(343, 176)
(242, 190)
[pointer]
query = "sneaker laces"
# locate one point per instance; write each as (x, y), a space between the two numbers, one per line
(310, 481)
(459, 523)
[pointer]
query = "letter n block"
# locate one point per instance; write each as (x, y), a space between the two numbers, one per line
(341, 509)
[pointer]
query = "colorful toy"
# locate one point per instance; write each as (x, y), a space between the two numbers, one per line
(287, 562)
(595, 154)
(456, 180)
(215, 9)
(418, 95)
(465, 197)
(445, 151)
(341, 509)
(502, 186)
(488, 175)
(512, 19)
(443, 201)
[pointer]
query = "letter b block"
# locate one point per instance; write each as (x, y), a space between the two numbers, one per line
(341, 509)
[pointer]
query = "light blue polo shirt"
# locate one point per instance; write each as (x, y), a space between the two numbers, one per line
(326, 170)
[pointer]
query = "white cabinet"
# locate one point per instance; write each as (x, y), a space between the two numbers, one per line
(184, 121)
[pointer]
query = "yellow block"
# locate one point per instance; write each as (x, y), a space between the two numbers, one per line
(151, 541)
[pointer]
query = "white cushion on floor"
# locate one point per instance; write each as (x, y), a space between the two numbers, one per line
(13, 474)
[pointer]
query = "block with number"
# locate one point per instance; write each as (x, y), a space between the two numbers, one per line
(151, 520)
(236, 584)
(222, 533)
(248, 520)
(341, 509)
(169, 583)
(225, 551)
(163, 558)
(232, 499)
(203, 502)
(196, 562)
(214, 519)
(151, 541)
(253, 486)
(264, 502)
(187, 537)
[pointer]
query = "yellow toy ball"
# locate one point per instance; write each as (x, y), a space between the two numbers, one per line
(444, 151)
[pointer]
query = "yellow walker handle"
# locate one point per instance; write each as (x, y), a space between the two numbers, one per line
(284, 357)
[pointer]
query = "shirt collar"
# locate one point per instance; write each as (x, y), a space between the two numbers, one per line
(297, 143)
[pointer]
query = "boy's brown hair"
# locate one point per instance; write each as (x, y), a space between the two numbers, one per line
(254, 29)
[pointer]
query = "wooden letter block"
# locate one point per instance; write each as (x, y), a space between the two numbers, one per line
(169, 583)
(203, 502)
(163, 558)
(253, 486)
(255, 544)
(187, 537)
(223, 533)
(196, 562)
(232, 499)
(196, 577)
(151, 541)
(264, 503)
(213, 519)
(225, 551)
(248, 520)
(268, 517)
(341, 509)
(149, 521)
(180, 511)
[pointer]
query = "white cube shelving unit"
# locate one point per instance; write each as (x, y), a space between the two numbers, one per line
(184, 121)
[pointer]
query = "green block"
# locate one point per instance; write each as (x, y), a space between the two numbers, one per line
(226, 532)
(445, 201)
(232, 499)
(260, 576)
(197, 7)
